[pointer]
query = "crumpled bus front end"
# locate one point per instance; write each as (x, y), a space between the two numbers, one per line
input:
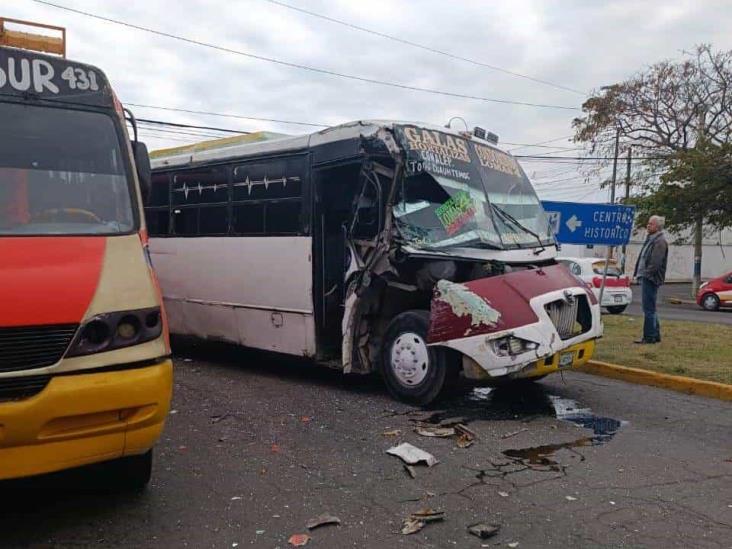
(519, 325)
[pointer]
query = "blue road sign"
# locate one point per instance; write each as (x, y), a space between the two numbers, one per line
(581, 223)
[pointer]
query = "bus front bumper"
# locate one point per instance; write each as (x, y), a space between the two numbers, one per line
(85, 418)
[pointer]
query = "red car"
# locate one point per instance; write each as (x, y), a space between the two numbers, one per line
(715, 293)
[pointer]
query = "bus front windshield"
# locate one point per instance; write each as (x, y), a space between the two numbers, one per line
(489, 203)
(62, 172)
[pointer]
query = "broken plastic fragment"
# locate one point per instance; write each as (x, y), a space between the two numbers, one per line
(412, 455)
(484, 531)
(503, 494)
(440, 432)
(418, 520)
(513, 544)
(322, 520)
(570, 498)
(412, 526)
(298, 540)
(394, 433)
(410, 471)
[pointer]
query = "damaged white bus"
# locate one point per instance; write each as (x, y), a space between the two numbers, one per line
(419, 252)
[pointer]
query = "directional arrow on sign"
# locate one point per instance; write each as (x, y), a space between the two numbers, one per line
(573, 223)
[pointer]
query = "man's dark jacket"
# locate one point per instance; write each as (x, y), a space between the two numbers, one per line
(656, 254)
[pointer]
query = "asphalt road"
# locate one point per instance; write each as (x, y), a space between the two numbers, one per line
(255, 447)
(683, 311)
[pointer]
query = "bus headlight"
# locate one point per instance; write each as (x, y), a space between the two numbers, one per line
(116, 330)
(510, 345)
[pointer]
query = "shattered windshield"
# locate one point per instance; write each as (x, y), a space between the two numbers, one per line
(459, 193)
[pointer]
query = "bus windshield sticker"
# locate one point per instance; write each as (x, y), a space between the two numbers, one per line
(456, 212)
(496, 160)
(436, 152)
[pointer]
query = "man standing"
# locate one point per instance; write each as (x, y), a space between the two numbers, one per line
(650, 270)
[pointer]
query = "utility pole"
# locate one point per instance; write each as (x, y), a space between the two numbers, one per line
(699, 221)
(627, 196)
(612, 201)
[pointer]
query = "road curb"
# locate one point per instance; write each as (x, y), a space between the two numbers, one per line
(679, 301)
(687, 385)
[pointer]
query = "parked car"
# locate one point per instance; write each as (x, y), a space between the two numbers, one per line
(617, 295)
(715, 293)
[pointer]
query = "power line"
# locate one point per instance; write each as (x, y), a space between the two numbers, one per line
(179, 125)
(226, 115)
(303, 67)
(539, 144)
(424, 47)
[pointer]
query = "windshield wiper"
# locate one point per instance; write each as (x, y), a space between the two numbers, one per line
(505, 215)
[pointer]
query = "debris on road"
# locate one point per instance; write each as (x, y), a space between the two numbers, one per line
(322, 520)
(439, 432)
(420, 519)
(570, 498)
(484, 531)
(298, 540)
(412, 455)
(410, 471)
(466, 438)
(514, 433)
(235, 498)
(394, 433)
(513, 544)
(503, 494)
(275, 448)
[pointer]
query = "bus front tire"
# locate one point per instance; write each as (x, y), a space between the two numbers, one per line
(413, 372)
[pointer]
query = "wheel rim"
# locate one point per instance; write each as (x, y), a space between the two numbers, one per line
(710, 302)
(410, 359)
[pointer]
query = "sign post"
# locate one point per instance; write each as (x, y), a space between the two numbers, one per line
(580, 223)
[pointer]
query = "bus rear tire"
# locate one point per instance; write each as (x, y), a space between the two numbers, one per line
(413, 372)
(130, 473)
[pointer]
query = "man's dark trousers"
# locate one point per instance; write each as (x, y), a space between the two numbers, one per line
(651, 327)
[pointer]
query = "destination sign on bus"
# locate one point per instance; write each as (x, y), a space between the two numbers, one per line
(49, 77)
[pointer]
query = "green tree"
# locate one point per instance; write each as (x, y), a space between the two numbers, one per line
(677, 116)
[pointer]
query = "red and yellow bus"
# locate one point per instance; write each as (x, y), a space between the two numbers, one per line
(85, 372)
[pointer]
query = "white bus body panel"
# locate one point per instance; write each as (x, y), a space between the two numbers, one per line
(253, 291)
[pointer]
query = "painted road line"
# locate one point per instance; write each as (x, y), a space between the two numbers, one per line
(682, 384)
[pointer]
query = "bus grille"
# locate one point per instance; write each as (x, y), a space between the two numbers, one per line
(22, 387)
(29, 347)
(564, 316)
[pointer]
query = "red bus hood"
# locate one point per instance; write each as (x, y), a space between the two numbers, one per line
(492, 304)
(48, 280)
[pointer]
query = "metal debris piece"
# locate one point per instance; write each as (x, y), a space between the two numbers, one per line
(394, 433)
(412, 455)
(464, 441)
(439, 432)
(484, 531)
(322, 520)
(420, 519)
(298, 540)
(514, 433)
(410, 471)
(466, 438)
(428, 515)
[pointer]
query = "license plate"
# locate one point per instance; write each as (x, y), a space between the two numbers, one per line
(618, 299)
(565, 360)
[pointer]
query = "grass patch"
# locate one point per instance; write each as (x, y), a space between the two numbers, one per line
(692, 349)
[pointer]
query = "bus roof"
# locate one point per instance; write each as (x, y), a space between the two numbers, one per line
(271, 143)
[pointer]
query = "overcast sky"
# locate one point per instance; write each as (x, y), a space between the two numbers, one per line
(580, 45)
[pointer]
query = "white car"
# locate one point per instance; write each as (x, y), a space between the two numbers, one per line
(617, 295)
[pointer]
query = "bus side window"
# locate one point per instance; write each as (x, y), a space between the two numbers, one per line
(267, 196)
(157, 210)
(200, 200)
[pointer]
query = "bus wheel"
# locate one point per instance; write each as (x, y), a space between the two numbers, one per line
(130, 472)
(414, 372)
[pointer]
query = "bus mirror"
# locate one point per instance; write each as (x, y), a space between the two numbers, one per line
(144, 171)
